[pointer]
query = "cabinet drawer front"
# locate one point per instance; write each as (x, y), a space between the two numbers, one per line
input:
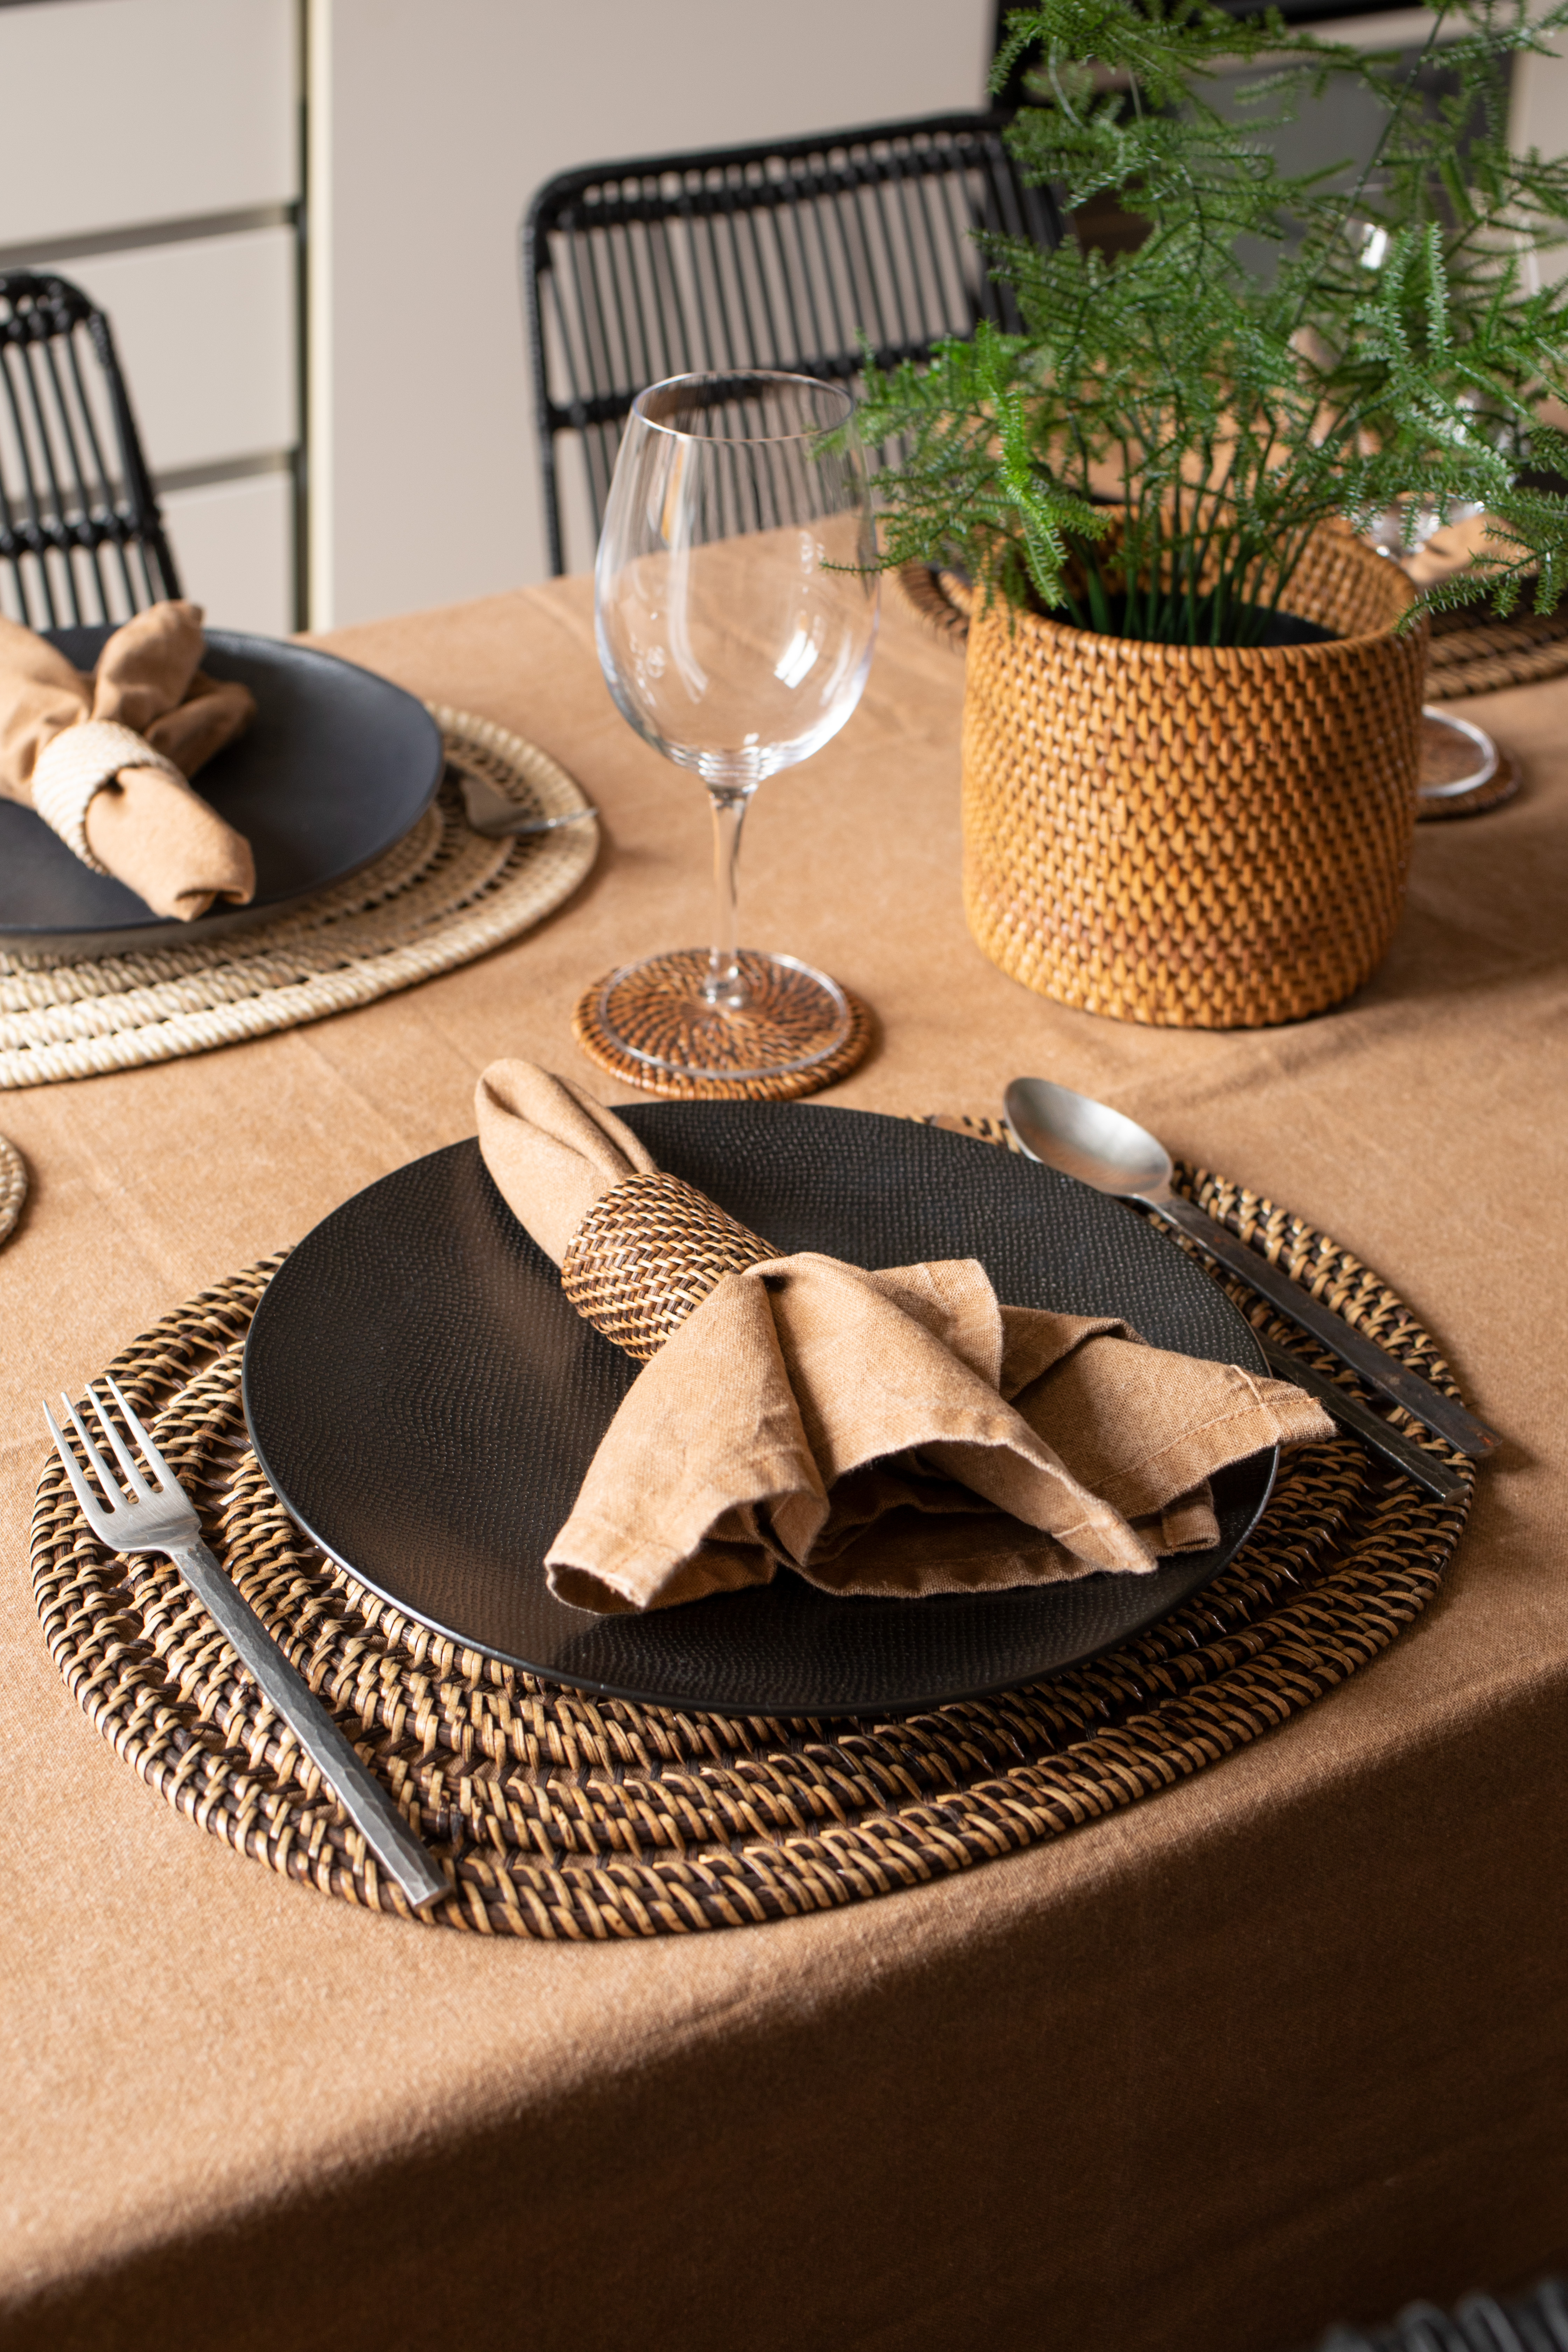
(208, 342)
(164, 110)
(234, 544)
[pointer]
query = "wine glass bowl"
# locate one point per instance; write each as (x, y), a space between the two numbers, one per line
(734, 616)
(735, 610)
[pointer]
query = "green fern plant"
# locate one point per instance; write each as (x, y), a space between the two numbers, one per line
(1407, 351)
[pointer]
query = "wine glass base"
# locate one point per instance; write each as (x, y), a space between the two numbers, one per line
(650, 1023)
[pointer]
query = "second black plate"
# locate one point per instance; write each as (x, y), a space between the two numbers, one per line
(426, 1401)
(336, 766)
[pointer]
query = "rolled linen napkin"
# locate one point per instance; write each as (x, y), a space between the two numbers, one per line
(895, 1432)
(104, 760)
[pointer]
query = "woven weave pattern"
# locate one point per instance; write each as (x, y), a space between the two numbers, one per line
(13, 1186)
(75, 764)
(1474, 653)
(1470, 652)
(647, 1255)
(562, 1815)
(1198, 838)
(942, 602)
(708, 1056)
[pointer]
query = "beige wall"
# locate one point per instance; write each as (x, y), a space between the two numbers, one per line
(1539, 112)
(432, 123)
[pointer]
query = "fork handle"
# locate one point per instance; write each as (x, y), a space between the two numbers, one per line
(360, 1795)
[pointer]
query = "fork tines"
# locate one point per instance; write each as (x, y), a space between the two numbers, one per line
(113, 1498)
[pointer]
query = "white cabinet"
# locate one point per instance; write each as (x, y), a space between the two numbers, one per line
(122, 112)
(160, 168)
(161, 172)
(206, 334)
(234, 542)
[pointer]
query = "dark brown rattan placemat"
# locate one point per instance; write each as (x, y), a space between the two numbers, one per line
(561, 1815)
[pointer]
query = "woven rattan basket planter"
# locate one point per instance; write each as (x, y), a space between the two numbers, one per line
(1203, 839)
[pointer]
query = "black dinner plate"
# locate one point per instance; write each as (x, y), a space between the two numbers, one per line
(332, 772)
(426, 1403)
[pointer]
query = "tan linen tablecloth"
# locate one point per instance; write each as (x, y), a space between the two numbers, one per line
(1288, 2043)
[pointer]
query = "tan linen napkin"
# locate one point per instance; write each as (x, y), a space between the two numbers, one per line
(552, 1147)
(104, 760)
(894, 1432)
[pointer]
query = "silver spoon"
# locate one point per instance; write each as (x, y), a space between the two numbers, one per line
(1102, 1146)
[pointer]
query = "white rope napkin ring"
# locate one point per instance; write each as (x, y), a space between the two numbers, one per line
(78, 763)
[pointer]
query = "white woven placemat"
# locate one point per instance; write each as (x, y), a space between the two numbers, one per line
(13, 1185)
(442, 897)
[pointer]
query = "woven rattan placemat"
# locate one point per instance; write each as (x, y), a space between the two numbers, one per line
(13, 1186)
(1474, 653)
(562, 1815)
(443, 896)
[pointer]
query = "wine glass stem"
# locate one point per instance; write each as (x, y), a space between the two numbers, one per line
(723, 985)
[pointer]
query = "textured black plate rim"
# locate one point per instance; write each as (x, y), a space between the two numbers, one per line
(1205, 1568)
(81, 943)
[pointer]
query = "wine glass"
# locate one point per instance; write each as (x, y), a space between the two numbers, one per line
(735, 604)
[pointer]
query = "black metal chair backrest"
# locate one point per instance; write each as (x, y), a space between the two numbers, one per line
(82, 537)
(773, 255)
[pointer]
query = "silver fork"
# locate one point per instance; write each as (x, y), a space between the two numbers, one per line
(491, 813)
(162, 1517)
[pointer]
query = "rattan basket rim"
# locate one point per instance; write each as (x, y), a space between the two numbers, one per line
(1141, 652)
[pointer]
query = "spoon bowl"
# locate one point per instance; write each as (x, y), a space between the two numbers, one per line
(1105, 1148)
(1088, 1140)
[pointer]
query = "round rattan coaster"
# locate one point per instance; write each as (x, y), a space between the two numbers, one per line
(13, 1186)
(942, 600)
(561, 1815)
(443, 896)
(1451, 750)
(648, 1007)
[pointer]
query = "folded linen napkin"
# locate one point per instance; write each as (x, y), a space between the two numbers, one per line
(104, 760)
(894, 1432)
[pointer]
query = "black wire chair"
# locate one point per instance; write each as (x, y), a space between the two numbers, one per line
(1532, 2323)
(773, 255)
(82, 537)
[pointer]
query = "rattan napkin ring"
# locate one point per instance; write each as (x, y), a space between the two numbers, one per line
(74, 766)
(646, 1256)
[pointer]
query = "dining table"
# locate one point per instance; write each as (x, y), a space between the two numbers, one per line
(1282, 2045)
